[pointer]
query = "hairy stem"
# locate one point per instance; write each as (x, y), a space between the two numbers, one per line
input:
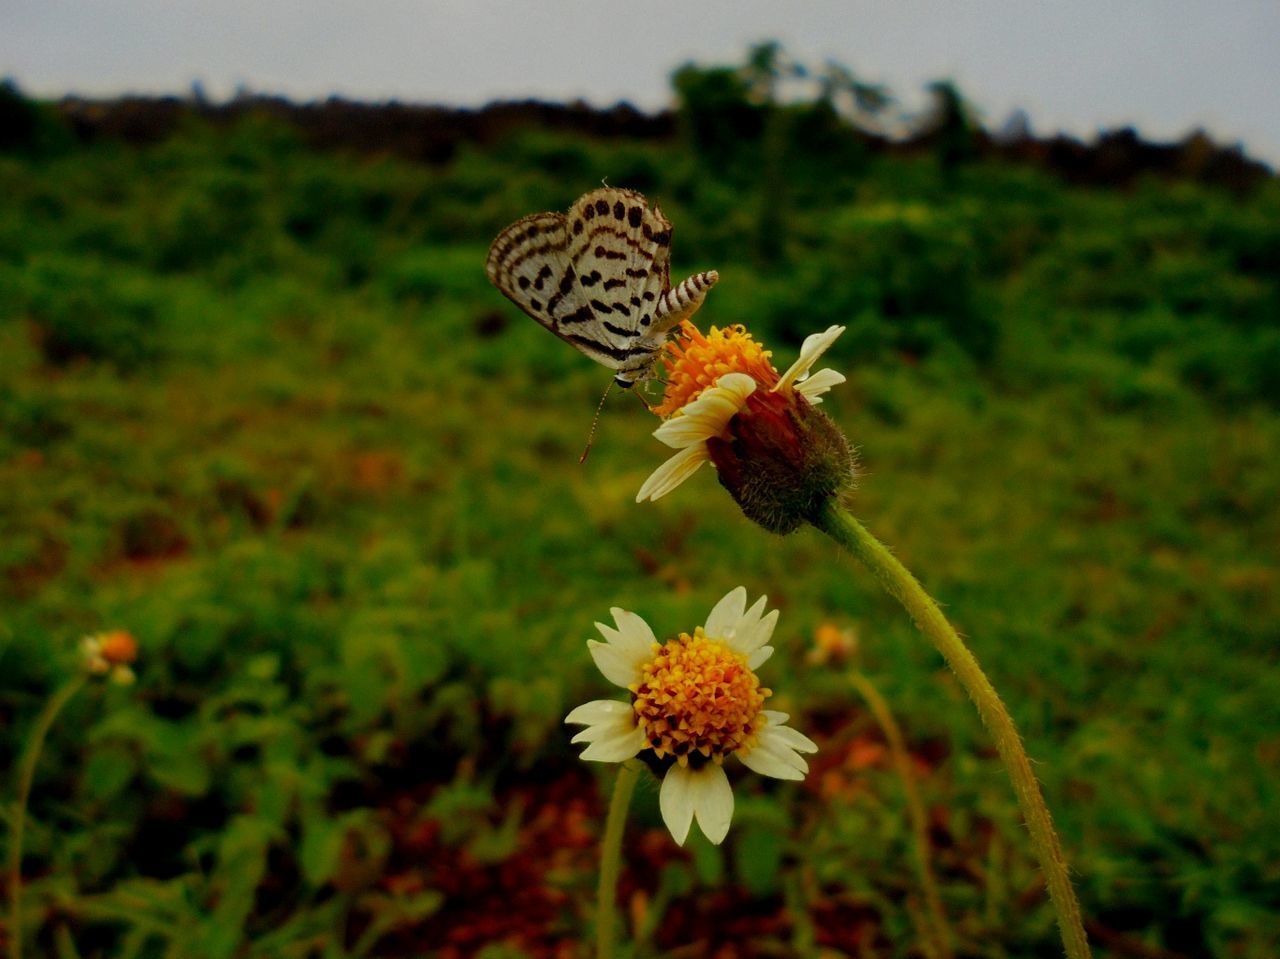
(611, 858)
(900, 584)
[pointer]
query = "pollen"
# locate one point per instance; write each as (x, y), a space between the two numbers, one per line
(698, 701)
(694, 362)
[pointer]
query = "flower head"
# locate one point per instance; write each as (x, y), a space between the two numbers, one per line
(777, 455)
(110, 654)
(695, 700)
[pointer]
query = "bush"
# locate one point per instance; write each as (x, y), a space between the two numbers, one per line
(86, 310)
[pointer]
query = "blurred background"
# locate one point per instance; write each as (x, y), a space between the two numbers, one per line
(261, 409)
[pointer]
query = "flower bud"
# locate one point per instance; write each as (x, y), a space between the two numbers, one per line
(782, 459)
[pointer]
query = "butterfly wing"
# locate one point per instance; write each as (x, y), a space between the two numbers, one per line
(594, 277)
(526, 261)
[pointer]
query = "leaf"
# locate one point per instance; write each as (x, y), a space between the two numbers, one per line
(323, 838)
(108, 771)
(242, 861)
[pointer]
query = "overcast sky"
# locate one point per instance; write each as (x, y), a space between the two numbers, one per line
(1164, 66)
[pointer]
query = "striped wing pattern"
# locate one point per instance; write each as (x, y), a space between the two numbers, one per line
(598, 278)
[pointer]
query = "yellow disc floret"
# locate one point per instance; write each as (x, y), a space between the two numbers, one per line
(698, 700)
(694, 362)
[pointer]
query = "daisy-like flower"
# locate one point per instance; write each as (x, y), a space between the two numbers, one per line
(695, 700)
(776, 454)
(110, 654)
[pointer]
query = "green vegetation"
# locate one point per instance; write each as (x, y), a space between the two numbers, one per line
(260, 407)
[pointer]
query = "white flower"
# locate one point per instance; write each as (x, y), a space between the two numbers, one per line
(695, 701)
(709, 413)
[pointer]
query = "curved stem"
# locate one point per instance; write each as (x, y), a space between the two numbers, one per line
(900, 584)
(26, 775)
(611, 858)
(941, 932)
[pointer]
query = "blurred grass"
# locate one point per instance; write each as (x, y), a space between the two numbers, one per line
(259, 406)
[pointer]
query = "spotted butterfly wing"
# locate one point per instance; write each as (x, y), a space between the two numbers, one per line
(599, 278)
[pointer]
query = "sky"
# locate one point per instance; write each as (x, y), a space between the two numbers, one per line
(1165, 67)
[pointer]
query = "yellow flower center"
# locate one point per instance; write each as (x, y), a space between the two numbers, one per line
(698, 700)
(694, 362)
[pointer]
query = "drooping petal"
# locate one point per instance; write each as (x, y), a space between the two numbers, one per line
(814, 346)
(673, 472)
(675, 800)
(712, 799)
(723, 620)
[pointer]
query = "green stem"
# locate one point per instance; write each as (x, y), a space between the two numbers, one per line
(941, 932)
(900, 584)
(611, 858)
(26, 775)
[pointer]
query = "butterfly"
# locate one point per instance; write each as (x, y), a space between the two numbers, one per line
(598, 277)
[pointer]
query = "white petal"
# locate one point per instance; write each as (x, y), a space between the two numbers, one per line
(818, 343)
(754, 630)
(759, 657)
(738, 635)
(814, 346)
(612, 731)
(633, 635)
(774, 756)
(722, 622)
(616, 748)
(793, 738)
(599, 711)
(756, 611)
(709, 414)
(735, 386)
(673, 472)
(618, 665)
(712, 802)
(704, 793)
(768, 763)
(676, 802)
(819, 383)
(776, 718)
(705, 417)
(612, 727)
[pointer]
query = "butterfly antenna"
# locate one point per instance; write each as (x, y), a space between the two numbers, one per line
(594, 420)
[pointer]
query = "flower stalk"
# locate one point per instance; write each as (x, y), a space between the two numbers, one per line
(611, 858)
(26, 776)
(924, 612)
